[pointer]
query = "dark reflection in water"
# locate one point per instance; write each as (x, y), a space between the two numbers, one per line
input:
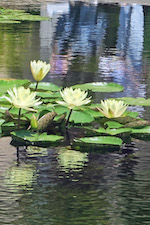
(83, 43)
(60, 186)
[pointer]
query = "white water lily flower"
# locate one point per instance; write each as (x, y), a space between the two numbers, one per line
(73, 98)
(39, 69)
(22, 98)
(112, 108)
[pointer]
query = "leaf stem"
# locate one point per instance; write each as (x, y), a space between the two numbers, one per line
(68, 117)
(36, 85)
(19, 118)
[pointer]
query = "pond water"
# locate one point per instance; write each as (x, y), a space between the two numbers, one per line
(83, 43)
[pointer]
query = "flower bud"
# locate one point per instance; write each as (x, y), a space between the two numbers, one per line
(34, 122)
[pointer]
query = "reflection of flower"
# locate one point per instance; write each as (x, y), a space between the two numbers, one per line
(71, 160)
(20, 176)
(39, 69)
(23, 98)
(34, 151)
(112, 108)
(74, 97)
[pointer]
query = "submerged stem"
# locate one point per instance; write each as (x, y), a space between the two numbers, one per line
(68, 117)
(36, 85)
(19, 118)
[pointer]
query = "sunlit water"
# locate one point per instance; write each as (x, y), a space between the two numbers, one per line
(83, 43)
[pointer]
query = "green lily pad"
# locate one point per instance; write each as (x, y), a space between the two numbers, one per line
(94, 113)
(28, 136)
(81, 117)
(132, 114)
(49, 94)
(46, 86)
(100, 87)
(113, 124)
(101, 140)
(16, 16)
(9, 21)
(144, 130)
(141, 133)
(105, 143)
(61, 109)
(136, 101)
(113, 131)
(9, 84)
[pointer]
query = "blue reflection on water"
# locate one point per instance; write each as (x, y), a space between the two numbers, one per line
(86, 46)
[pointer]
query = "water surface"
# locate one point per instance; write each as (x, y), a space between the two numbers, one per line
(83, 43)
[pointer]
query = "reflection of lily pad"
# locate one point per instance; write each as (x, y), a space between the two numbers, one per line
(34, 151)
(100, 87)
(71, 160)
(20, 177)
(97, 143)
(28, 136)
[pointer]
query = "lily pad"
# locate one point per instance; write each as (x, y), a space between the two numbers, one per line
(9, 84)
(16, 16)
(136, 101)
(49, 94)
(100, 87)
(113, 131)
(141, 133)
(81, 117)
(36, 138)
(113, 124)
(144, 130)
(46, 86)
(97, 143)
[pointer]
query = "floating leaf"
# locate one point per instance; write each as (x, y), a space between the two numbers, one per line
(61, 109)
(100, 87)
(144, 130)
(106, 143)
(15, 16)
(94, 113)
(48, 94)
(81, 117)
(9, 84)
(46, 86)
(141, 133)
(26, 135)
(132, 114)
(101, 140)
(113, 124)
(113, 131)
(136, 101)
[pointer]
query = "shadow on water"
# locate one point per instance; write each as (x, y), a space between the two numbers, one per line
(83, 43)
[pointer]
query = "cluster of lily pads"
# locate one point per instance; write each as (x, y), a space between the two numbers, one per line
(17, 16)
(43, 113)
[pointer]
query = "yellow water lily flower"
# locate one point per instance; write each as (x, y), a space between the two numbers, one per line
(39, 69)
(112, 108)
(74, 97)
(22, 98)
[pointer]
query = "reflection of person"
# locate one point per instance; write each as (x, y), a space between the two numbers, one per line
(131, 32)
(59, 63)
(125, 65)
